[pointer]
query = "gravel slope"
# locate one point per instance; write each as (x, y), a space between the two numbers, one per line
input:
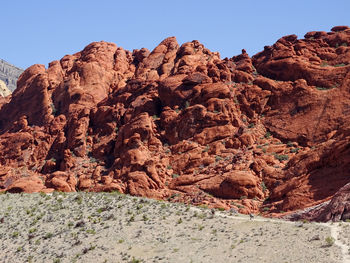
(109, 227)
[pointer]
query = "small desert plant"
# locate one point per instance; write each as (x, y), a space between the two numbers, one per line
(281, 157)
(134, 260)
(15, 234)
(53, 109)
(340, 65)
(294, 150)
(322, 88)
(206, 149)
(330, 241)
(175, 175)
(91, 231)
(218, 158)
(265, 209)
(267, 135)
(48, 235)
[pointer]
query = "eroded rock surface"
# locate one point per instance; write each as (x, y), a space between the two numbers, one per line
(265, 134)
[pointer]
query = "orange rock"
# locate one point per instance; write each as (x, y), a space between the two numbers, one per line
(180, 123)
(27, 185)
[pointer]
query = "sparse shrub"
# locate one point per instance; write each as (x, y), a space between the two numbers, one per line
(267, 135)
(91, 231)
(330, 241)
(169, 167)
(15, 234)
(175, 175)
(322, 88)
(294, 150)
(251, 125)
(32, 230)
(134, 260)
(206, 149)
(243, 197)
(93, 160)
(53, 109)
(281, 157)
(48, 235)
(340, 65)
(218, 158)
(263, 187)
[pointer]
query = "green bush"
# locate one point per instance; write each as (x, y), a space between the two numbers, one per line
(340, 65)
(322, 88)
(281, 157)
(294, 150)
(330, 241)
(218, 158)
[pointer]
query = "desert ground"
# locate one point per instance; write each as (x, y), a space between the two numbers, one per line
(110, 227)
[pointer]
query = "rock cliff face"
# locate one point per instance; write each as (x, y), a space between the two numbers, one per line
(4, 91)
(265, 134)
(9, 74)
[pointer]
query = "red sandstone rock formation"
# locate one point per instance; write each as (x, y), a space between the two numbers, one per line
(181, 124)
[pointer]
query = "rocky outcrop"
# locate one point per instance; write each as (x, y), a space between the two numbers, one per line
(266, 134)
(4, 91)
(9, 74)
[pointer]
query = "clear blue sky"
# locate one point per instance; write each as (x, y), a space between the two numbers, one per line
(38, 31)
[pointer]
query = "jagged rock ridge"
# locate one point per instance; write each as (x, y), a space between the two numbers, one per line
(265, 134)
(9, 74)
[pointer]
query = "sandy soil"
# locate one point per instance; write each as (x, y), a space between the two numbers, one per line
(109, 227)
